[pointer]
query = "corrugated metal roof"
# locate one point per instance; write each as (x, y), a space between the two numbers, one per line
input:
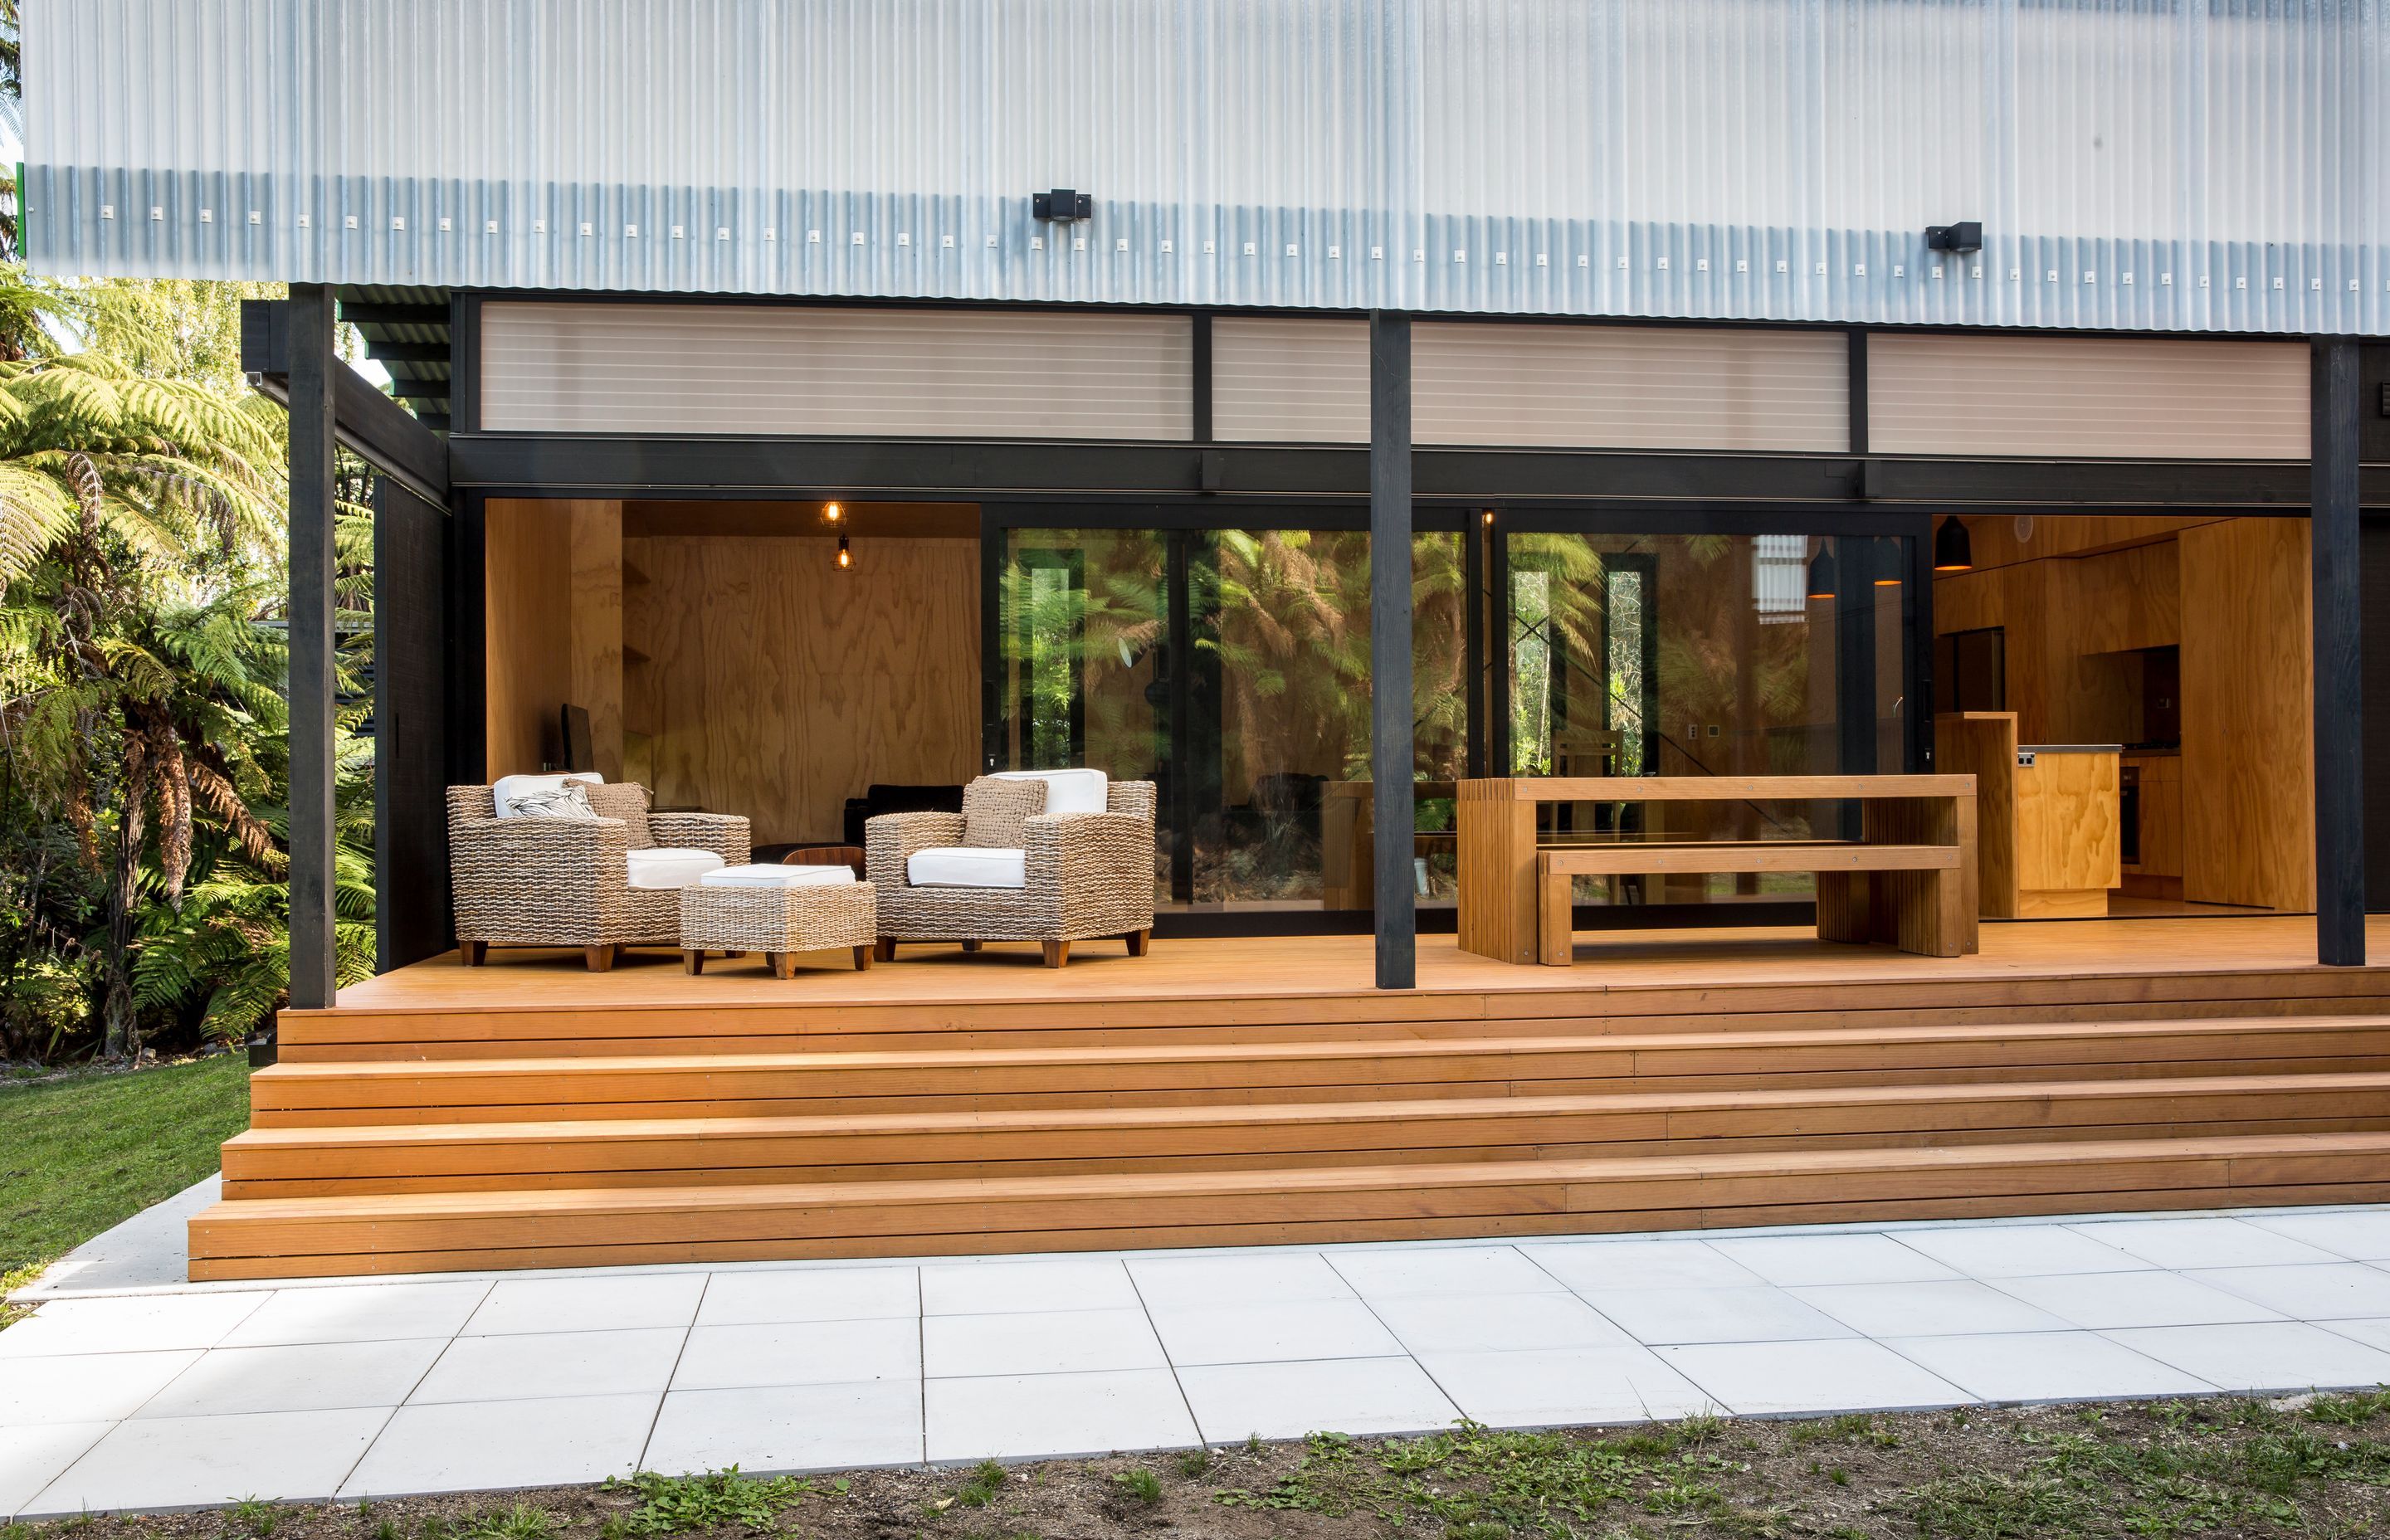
(2171, 164)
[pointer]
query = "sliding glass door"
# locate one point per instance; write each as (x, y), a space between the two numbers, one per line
(1231, 667)
(1229, 664)
(1718, 653)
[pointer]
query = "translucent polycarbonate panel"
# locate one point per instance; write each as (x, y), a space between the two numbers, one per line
(2128, 397)
(694, 368)
(1289, 379)
(2160, 164)
(1629, 387)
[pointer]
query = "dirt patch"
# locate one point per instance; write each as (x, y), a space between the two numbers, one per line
(2309, 1467)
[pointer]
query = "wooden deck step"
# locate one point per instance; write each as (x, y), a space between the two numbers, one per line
(713, 1151)
(428, 1232)
(986, 1080)
(803, 1023)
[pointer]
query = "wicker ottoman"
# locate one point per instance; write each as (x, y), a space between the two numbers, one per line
(777, 922)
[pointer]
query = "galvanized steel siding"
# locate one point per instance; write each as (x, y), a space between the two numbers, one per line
(2173, 164)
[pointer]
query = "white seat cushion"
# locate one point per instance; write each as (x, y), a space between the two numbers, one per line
(508, 791)
(666, 867)
(1068, 791)
(967, 866)
(779, 877)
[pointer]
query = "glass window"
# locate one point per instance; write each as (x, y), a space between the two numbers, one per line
(1705, 655)
(1273, 698)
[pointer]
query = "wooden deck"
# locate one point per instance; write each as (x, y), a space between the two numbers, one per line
(1216, 1092)
(1296, 966)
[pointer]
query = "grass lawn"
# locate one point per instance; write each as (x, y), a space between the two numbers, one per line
(84, 1152)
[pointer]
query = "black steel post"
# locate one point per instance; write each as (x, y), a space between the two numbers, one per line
(312, 960)
(1498, 635)
(1390, 647)
(2339, 653)
(1472, 582)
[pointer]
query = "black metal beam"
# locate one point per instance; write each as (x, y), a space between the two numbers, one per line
(1391, 756)
(406, 353)
(367, 315)
(2339, 657)
(1472, 623)
(312, 369)
(363, 419)
(757, 466)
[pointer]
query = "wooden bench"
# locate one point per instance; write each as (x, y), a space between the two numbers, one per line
(1910, 895)
(1501, 916)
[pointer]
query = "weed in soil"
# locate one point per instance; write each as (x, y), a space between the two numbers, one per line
(1140, 1485)
(980, 1487)
(679, 1505)
(260, 1519)
(1196, 1463)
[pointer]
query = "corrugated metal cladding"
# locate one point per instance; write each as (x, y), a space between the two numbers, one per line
(632, 368)
(2168, 165)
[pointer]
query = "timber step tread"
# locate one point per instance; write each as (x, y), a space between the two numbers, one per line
(817, 1207)
(1577, 995)
(1233, 1052)
(1452, 1108)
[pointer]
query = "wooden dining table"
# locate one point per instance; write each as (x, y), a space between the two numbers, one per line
(1499, 848)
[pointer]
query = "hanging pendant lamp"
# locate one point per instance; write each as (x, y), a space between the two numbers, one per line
(1822, 577)
(1953, 551)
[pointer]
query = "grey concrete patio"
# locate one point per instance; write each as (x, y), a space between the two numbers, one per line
(128, 1390)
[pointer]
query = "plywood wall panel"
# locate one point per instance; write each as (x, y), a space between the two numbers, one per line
(777, 685)
(597, 657)
(2248, 746)
(527, 631)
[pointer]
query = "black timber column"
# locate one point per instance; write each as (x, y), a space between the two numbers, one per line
(2339, 642)
(312, 960)
(411, 753)
(1390, 646)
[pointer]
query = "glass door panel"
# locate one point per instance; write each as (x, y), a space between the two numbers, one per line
(1259, 744)
(1082, 667)
(1705, 655)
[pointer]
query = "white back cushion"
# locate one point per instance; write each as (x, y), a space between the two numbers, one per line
(1068, 791)
(508, 790)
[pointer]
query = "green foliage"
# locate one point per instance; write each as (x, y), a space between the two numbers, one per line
(522, 1522)
(980, 1487)
(677, 1505)
(1481, 1481)
(1196, 1463)
(143, 726)
(1140, 1485)
(257, 1517)
(2218, 1468)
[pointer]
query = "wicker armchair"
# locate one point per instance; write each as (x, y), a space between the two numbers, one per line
(1088, 875)
(565, 883)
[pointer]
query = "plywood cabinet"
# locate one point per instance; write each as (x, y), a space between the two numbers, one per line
(2158, 871)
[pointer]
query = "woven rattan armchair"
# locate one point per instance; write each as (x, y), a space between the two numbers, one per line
(1089, 876)
(565, 883)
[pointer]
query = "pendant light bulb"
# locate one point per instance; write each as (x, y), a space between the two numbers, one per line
(845, 556)
(832, 513)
